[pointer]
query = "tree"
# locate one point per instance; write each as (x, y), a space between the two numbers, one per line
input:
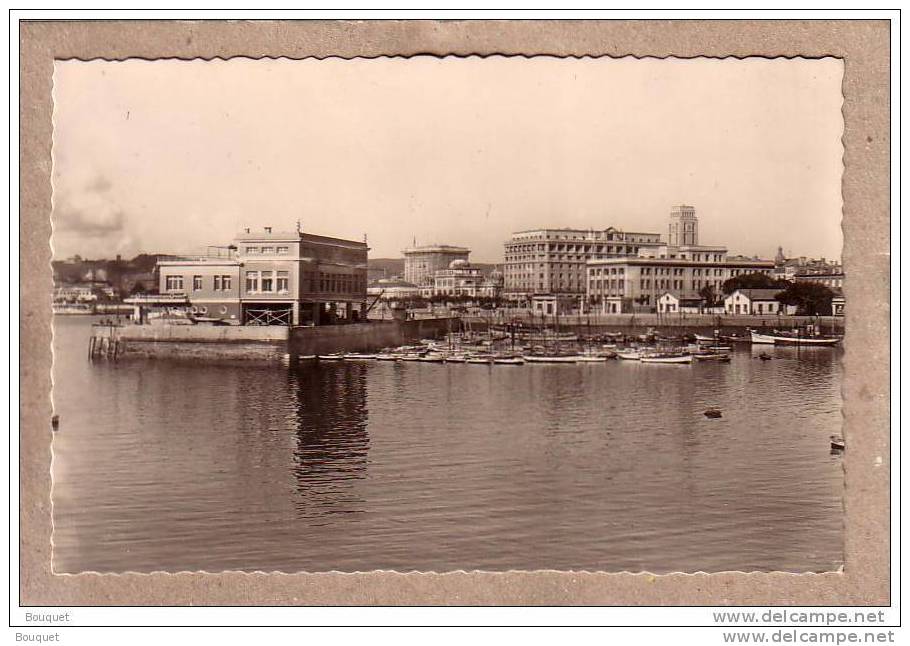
(810, 298)
(707, 292)
(756, 280)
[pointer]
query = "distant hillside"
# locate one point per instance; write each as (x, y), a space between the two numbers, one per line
(385, 267)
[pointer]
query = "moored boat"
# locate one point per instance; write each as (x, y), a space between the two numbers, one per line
(712, 356)
(483, 359)
(332, 356)
(550, 358)
(662, 357)
(509, 360)
(629, 355)
(789, 338)
(357, 356)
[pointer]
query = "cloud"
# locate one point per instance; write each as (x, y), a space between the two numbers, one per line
(90, 211)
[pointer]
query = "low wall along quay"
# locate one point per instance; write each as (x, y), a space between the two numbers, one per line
(203, 342)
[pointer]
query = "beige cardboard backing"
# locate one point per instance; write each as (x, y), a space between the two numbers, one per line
(865, 48)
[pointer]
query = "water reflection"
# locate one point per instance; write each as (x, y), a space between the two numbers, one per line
(347, 466)
(332, 441)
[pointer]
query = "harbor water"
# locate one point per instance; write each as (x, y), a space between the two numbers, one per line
(165, 465)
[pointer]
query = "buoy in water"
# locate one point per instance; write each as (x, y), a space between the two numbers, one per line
(713, 413)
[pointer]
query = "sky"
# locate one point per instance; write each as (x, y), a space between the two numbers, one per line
(171, 156)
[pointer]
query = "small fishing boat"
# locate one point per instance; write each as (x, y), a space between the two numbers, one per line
(388, 356)
(702, 338)
(432, 357)
(591, 358)
(411, 357)
(629, 355)
(667, 357)
(358, 356)
(456, 358)
(306, 357)
(509, 360)
(712, 356)
(483, 359)
(333, 356)
(788, 338)
(550, 358)
(762, 338)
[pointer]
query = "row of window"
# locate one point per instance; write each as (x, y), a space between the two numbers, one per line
(266, 281)
(266, 251)
(175, 283)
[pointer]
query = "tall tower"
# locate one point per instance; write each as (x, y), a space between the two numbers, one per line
(683, 226)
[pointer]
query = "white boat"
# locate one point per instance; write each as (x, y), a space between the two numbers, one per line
(388, 356)
(667, 358)
(629, 355)
(306, 357)
(334, 356)
(356, 356)
(712, 356)
(703, 338)
(550, 358)
(410, 357)
(432, 357)
(591, 358)
(509, 360)
(456, 358)
(479, 359)
(778, 338)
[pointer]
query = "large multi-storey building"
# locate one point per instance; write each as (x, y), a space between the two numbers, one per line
(421, 263)
(273, 278)
(544, 261)
(682, 270)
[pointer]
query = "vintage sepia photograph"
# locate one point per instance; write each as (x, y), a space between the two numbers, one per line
(437, 314)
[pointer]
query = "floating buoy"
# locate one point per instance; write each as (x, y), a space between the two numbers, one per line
(55, 422)
(713, 413)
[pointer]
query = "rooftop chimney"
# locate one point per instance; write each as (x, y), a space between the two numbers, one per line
(268, 229)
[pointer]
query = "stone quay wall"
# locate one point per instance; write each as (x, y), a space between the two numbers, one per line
(264, 343)
(366, 337)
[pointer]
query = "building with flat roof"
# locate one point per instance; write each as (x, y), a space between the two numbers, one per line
(543, 261)
(421, 263)
(273, 278)
(680, 270)
(683, 274)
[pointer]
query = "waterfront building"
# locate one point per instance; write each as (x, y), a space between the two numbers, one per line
(552, 304)
(753, 301)
(421, 263)
(830, 279)
(682, 270)
(544, 261)
(670, 303)
(77, 293)
(800, 268)
(393, 289)
(460, 278)
(273, 278)
(837, 305)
